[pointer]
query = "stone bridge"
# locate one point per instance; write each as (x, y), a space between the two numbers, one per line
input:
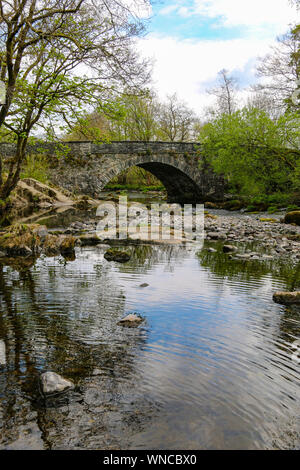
(86, 167)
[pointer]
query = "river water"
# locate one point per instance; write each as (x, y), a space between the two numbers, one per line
(211, 367)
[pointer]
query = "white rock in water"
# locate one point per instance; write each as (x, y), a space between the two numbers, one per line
(2, 353)
(54, 383)
(131, 318)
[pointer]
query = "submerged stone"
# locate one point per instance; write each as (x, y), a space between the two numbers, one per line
(52, 383)
(287, 298)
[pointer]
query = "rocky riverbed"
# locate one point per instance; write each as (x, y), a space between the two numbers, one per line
(280, 240)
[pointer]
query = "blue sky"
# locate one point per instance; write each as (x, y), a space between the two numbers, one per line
(191, 40)
(167, 20)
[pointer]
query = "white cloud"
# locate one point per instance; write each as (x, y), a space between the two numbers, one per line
(188, 66)
(248, 13)
(168, 9)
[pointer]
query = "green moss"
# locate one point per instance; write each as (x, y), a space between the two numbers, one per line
(292, 218)
(267, 219)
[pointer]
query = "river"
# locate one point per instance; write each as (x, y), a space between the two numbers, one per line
(211, 367)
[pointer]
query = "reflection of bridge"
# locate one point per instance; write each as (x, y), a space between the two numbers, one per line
(91, 166)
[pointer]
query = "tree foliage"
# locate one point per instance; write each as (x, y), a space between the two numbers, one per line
(58, 59)
(256, 154)
(139, 117)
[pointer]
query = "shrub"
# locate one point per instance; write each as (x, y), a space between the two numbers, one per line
(36, 167)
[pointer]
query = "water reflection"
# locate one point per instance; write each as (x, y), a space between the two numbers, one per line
(210, 369)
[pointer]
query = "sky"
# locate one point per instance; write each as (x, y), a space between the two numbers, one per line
(190, 41)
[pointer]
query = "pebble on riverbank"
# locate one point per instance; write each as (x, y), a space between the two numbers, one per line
(52, 383)
(287, 298)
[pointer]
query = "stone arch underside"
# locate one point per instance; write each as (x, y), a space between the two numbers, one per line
(180, 187)
(184, 182)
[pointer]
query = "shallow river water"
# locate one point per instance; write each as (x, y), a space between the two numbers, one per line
(212, 366)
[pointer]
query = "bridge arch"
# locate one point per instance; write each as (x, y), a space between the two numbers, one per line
(178, 177)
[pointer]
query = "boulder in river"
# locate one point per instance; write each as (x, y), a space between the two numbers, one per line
(131, 320)
(52, 383)
(292, 218)
(20, 240)
(89, 240)
(117, 255)
(287, 298)
(51, 245)
(67, 245)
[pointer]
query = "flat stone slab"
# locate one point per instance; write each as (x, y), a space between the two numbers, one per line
(52, 383)
(287, 298)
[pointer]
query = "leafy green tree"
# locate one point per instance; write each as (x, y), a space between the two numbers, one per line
(255, 154)
(60, 59)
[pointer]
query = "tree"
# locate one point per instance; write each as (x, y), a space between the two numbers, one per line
(176, 120)
(264, 102)
(139, 120)
(256, 154)
(226, 94)
(281, 71)
(43, 45)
